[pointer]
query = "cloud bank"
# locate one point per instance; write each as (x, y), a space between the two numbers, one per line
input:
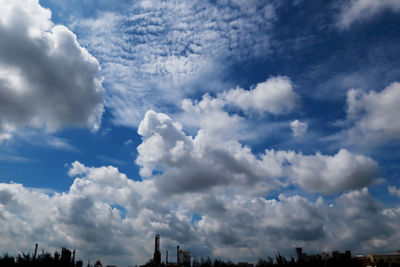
(107, 216)
(204, 192)
(191, 164)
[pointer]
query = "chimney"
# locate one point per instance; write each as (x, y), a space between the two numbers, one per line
(34, 255)
(177, 255)
(73, 258)
(299, 253)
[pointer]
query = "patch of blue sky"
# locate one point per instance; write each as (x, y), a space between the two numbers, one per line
(47, 166)
(121, 210)
(196, 217)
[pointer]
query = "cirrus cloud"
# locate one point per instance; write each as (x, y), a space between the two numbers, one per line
(164, 51)
(361, 10)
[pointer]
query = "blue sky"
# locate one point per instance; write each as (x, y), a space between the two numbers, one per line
(234, 128)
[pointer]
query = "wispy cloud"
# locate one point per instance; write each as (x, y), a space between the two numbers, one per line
(150, 53)
(39, 137)
(13, 158)
(353, 11)
(114, 161)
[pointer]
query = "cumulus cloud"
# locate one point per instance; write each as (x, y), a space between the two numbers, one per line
(394, 191)
(105, 215)
(221, 117)
(361, 10)
(163, 141)
(47, 80)
(188, 164)
(164, 51)
(209, 114)
(84, 217)
(298, 128)
(374, 113)
(332, 174)
(180, 163)
(276, 96)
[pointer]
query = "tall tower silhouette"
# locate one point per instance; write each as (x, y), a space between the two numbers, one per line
(157, 253)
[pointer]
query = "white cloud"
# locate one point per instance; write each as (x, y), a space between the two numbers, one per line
(163, 141)
(360, 10)
(47, 80)
(107, 216)
(275, 95)
(39, 137)
(374, 114)
(128, 142)
(209, 115)
(220, 117)
(103, 216)
(332, 174)
(394, 191)
(195, 164)
(5, 136)
(182, 163)
(212, 175)
(164, 51)
(298, 128)
(12, 158)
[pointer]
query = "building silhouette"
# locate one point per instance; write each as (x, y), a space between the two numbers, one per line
(388, 260)
(65, 256)
(183, 258)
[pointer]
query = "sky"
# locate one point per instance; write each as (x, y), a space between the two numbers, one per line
(232, 128)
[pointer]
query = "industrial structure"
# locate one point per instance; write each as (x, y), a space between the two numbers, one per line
(34, 255)
(66, 258)
(335, 257)
(157, 253)
(183, 258)
(372, 260)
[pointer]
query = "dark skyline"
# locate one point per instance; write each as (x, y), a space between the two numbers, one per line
(66, 258)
